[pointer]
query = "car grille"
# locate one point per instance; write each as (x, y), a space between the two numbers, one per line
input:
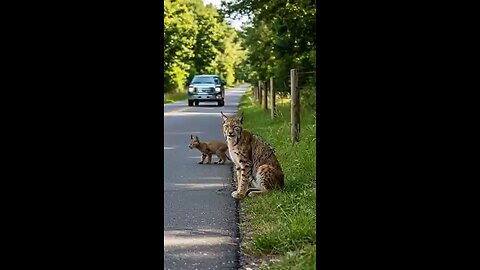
(206, 90)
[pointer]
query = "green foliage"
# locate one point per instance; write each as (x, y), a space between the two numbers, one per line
(197, 40)
(174, 96)
(308, 94)
(281, 36)
(179, 23)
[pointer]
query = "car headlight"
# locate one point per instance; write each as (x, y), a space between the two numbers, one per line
(217, 89)
(191, 89)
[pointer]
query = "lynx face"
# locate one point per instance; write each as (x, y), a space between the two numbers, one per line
(194, 142)
(232, 128)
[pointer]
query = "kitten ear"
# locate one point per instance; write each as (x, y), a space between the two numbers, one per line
(224, 117)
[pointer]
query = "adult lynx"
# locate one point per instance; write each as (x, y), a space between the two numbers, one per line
(255, 161)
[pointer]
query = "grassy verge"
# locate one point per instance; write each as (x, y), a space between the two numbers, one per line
(174, 96)
(281, 224)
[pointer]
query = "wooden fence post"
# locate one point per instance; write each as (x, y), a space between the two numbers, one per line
(295, 106)
(265, 101)
(272, 98)
(258, 87)
(260, 92)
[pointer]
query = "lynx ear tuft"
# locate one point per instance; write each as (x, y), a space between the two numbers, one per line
(241, 118)
(191, 136)
(224, 116)
(196, 138)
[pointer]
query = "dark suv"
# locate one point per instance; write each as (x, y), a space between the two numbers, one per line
(206, 88)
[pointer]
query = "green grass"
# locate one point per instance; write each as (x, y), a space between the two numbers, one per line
(283, 222)
(300, 259)
(174, 96)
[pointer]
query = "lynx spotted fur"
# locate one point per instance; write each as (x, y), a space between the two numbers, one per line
(255, 161)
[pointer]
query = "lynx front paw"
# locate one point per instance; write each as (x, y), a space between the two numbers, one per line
(201, 162)
(235, 195)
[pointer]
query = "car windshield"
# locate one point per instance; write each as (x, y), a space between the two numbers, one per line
(203, 80)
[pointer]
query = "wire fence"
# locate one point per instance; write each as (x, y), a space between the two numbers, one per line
(301, 87)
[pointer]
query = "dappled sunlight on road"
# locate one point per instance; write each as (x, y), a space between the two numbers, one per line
(175, 239)
(235, 92)
(211, 178)
(197, 249)
(176, 104)
(194, 113)
(201, 186)
(218, 186)
(188, 133)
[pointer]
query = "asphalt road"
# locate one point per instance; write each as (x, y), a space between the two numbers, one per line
(200, 222)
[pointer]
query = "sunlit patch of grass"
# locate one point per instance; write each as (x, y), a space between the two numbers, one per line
(283, 221)
(303, 259)
(174, 96)
(282, 100)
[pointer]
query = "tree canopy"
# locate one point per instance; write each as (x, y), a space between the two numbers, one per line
(198, 40)
(281, 35)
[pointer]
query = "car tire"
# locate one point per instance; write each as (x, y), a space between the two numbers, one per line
(190, 103)
(221, 103)
(196, 102)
